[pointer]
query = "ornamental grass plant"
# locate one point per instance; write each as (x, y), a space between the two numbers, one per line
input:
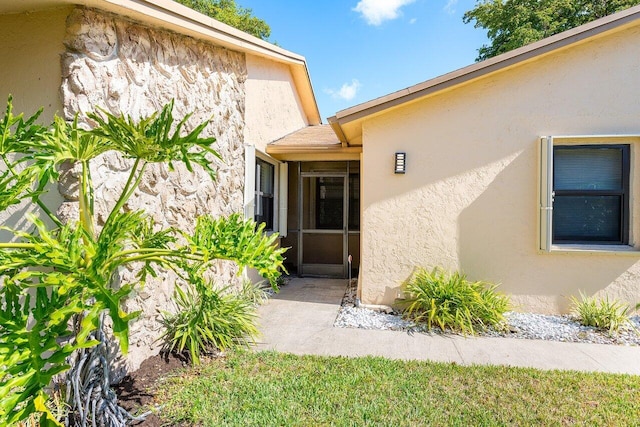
(256, 293)
(437, 298)
(208, 320)
(603, 314)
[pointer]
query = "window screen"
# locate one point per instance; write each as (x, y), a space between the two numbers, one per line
(591, 187)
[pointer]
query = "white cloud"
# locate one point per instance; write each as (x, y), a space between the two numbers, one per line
(375, 12)
(347, 92)
(450, 7)
(413, 20)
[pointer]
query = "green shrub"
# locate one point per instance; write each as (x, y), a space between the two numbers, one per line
(207, 320)
(256, 293)
(602, 314)
(59, 279)
(450, 301)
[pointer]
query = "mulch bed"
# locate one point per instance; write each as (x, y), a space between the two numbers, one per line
(136, 391)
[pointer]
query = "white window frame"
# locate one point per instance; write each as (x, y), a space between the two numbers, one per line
(280, 188)
(545, 194)
(258, 193)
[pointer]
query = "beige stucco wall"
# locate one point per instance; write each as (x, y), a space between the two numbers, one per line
(273, 107)
(469, 198)
(31, 45)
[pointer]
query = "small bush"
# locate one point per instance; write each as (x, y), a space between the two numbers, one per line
(602, 314)
(208, 320)
(450, 301)
(256, 293)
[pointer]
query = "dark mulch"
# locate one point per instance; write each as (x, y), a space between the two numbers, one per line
(135, 391)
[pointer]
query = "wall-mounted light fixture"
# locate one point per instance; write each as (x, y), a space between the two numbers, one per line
(401, 162)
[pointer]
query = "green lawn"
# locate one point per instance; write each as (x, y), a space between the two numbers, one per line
(262, 389)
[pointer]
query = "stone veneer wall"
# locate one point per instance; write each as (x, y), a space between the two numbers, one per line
(125, 67)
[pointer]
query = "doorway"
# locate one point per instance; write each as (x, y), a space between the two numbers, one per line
(325, 212)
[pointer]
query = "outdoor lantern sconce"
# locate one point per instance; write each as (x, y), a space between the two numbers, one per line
(401, 162)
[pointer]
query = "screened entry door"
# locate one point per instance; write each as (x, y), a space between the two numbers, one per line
(324, 235)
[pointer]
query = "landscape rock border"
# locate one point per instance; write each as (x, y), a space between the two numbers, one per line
(564, 328)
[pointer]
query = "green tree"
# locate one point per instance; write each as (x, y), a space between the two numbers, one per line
(59, 282)
(514, 23)
(230, 13)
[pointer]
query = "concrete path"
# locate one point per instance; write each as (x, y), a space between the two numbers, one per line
(300, 320)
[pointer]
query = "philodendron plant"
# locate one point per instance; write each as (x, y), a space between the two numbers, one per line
(59, 279)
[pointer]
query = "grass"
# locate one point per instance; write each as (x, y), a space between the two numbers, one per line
(268, 389)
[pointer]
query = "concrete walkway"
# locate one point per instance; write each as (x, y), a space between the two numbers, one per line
(300, 320)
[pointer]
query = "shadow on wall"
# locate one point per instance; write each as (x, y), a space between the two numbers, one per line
(17, 219)
(16, 216)
(498, 243)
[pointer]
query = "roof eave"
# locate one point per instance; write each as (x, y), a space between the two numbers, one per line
(333, 122)
(480, 69)
(313, 152)
(181, 19)
(172, 13)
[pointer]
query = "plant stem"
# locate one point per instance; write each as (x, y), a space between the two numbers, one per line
(153, 254)
(17, 245)
(148, 258)
(90, 192)
(128, 189)
(86, 216)
(48, 212)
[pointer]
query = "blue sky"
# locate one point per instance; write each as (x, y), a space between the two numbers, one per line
(358, 50)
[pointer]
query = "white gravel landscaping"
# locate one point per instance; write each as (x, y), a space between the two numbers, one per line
(519, 325)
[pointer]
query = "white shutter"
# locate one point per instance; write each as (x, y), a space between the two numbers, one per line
(546, 193)
(249, 181)
(283, 198)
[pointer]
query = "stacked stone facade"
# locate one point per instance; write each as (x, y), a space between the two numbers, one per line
(126, 68)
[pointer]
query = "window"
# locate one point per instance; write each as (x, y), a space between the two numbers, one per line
(584, 194)
(329, 200)
(264, 193)
(591, 191)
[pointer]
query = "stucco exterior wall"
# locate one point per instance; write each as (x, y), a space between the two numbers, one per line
(31, 45)
(273, 108)
(124, 67)
(469, 199)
